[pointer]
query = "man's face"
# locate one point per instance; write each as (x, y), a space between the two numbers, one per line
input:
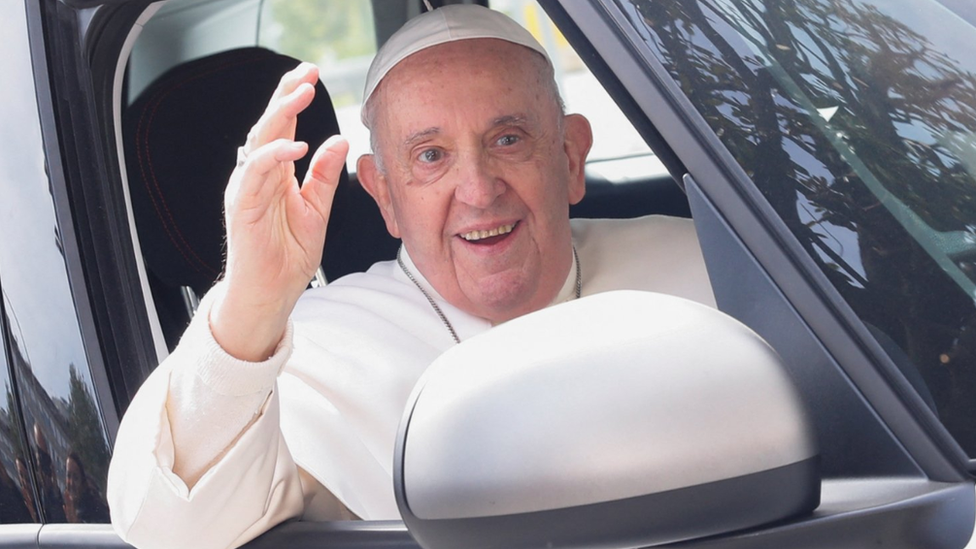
(479, 170)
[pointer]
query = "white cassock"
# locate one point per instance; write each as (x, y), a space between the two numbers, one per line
(263, 442)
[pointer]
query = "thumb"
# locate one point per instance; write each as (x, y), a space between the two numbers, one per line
(322, 178)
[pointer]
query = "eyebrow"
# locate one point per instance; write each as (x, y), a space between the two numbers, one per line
(419, 136)
(510, 120)
(507, 120)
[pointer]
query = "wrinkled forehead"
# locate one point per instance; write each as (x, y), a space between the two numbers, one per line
(476, 81)
(454, 23)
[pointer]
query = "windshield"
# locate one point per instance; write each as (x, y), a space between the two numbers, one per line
(857, 121)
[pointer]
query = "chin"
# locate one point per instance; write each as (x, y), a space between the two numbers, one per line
(508, 294)
(507, 302)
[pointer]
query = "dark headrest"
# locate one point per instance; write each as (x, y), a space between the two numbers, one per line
(181, 138)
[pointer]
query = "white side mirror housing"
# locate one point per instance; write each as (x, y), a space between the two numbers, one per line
(618, 420)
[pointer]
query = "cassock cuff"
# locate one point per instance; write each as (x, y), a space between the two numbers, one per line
(222, 372)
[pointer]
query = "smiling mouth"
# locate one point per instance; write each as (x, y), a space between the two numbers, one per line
(475, 236)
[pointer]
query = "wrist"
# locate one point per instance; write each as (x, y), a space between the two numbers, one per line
(248, 329)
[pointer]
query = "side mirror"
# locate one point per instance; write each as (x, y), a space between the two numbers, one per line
(624, 419)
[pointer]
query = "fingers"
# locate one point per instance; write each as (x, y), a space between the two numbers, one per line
(280, 117)
(294, 93)
(319, 186)
(304, 73)
(249, 179)
(269, 156)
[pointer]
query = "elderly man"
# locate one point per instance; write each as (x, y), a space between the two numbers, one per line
(281, 402)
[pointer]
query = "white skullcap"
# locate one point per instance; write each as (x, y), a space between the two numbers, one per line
(440, 26)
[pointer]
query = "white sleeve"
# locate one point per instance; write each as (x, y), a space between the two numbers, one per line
(199, 460)
(214, 397)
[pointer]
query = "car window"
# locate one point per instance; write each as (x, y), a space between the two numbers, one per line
(181, 34)
(343, 45)
(17, 497)
(856, 120)
(16, 490)
(67, 442)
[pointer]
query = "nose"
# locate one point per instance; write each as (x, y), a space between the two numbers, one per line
(477, 186)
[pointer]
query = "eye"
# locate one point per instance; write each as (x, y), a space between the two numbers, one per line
(507, 140)
(430, 155)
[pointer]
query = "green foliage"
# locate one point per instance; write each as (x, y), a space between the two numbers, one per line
(10, 424)
(309, 34)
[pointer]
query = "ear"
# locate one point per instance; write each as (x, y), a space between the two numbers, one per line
(376, 185)
(577, 141)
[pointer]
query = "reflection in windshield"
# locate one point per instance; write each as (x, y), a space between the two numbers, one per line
(859, 127)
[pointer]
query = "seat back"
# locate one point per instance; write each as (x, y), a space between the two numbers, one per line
(181, 137)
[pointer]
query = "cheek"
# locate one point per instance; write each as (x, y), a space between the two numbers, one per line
(548, 197)
(421, 215)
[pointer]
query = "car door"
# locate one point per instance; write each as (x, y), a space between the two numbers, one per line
(806, 227)
(894, 473)
(77, 341)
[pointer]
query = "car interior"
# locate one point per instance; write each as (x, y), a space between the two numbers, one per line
(195, 82)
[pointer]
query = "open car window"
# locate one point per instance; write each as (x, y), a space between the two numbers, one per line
(855, 120)
(182, 33)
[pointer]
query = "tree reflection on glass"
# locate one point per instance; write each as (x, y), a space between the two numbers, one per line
(66, 447)
(88, 446)
(16, 493)
(859, 129)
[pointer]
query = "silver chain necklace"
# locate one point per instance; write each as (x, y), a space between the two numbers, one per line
(440, 313)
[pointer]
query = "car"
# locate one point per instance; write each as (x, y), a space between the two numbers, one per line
(824, 149)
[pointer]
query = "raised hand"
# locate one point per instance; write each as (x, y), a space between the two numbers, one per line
(275, 229)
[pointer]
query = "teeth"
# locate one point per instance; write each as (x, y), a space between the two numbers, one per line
(478, 235)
